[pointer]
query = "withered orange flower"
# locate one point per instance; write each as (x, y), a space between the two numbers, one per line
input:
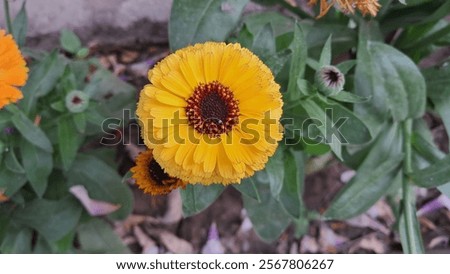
(364, 6)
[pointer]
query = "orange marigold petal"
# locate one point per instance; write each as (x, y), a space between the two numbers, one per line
(8, 95)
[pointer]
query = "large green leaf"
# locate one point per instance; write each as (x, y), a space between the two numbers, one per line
(298, 62)
(96, 236)
(52, 219)
(275, 172)
(198, 197)
(391, 79)
(264, 43)
(337, 125)
(11, 162)
(38, 165)
(29, 130)
(373, 177)
(248, 187)
(67, 140)
(16, 240)
(352, 130)
(438, 88)
(268, 217)
(193, 21)
(43, 78)
(102, 183)
(435, 175)
(363, 190)
(280, 23)
(291, 195)
(11, 181)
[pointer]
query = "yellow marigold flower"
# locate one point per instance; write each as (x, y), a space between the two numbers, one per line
(211, 113)
(365, 6)
(13, 70)
(151, 178)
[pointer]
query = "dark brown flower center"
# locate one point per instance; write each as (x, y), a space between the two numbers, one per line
(212, 109)
(157, 173)
(333, 76)
(76, 100)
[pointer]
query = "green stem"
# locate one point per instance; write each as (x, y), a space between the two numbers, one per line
(7, 16)
(407, 130)
(412, 234)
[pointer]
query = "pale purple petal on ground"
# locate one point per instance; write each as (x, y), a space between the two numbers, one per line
(93, 207)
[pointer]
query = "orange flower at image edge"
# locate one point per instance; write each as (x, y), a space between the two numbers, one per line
(13, 70)
(151, 178)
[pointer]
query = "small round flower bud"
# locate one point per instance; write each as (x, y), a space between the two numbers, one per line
(77, 101)
(330, 80)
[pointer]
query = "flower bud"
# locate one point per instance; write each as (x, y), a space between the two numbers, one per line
(77, 101)
(330, 80)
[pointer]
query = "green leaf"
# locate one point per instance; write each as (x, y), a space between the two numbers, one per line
(325, 56)
(20, 26)
(52, 219)
(248, 187)
(80, 122)
(435, 175)
(102, 183)
(70, 41)
(17, 240)
(363, 191)
(264, 43)
(268, 217)
(347, 97)
(12, 163)
(322, 122)
(338, 125)
(29, 130)
(280, 24)
(38, 165)
(82, 53)
(292, 190)
(275, 172)
(392, 79)
(194, 21)
(126, 177)
(197, 197)
(438, 88)
(96, 236)
(43, 78)
(298, 62)
(13, 182)
(373, 177)
(67, 141)
(346, 66)
(278, 61)
(245, 37)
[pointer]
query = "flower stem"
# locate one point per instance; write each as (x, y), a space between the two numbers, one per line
(412, 238)
(7, 16)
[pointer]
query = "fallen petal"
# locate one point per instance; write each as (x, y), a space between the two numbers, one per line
(93, 207)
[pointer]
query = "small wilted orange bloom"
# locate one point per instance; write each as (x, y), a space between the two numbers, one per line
(13, 70)
(151, 177)
(365, 6)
